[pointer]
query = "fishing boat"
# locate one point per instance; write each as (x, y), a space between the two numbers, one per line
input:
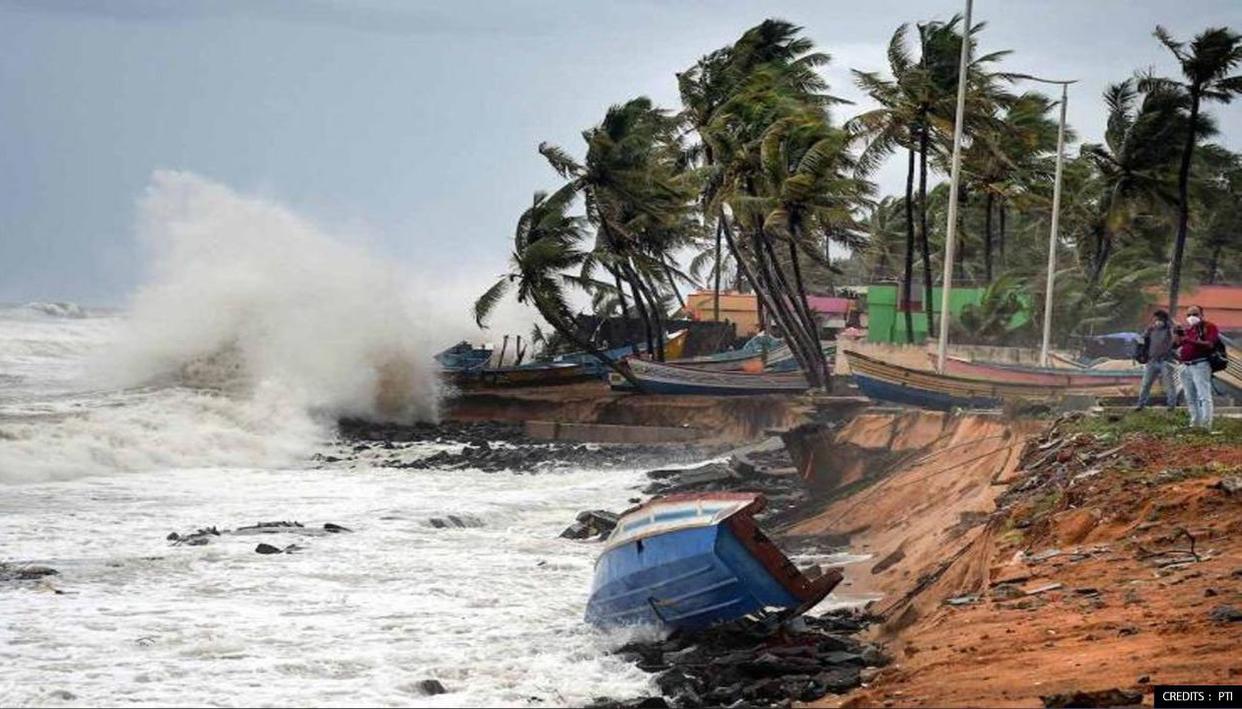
(663, 378)
(926, 389)
(463, 356)
(526, 375)
(1048, 376)
(674, 346)
(690, 561)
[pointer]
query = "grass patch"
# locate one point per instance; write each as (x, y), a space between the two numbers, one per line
(1158, 422)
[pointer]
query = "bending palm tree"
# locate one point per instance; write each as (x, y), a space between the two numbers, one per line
(1205, 64)
(545, 247)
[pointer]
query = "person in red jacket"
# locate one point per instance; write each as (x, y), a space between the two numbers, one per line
(1195, 343)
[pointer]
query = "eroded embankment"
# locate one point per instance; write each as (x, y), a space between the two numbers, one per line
(1032, 563)
(740, 418)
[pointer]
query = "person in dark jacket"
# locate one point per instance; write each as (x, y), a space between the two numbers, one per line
(1158, 337)
(1195, 343)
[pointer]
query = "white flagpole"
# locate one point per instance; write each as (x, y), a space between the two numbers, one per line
(950, 243)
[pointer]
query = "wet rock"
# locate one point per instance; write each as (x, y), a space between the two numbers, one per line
(430, 687)
(1096, 698)
(25, 572)
(591, 523)
(264, 548)
(577, 530)
(331, 528)
(455, 522)
(1225, 614)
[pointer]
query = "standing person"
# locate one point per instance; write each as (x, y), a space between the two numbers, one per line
(1158, 342)
(1195, 343)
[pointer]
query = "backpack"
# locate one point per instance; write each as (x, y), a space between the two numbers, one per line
(1142, 349)
(1218, 360)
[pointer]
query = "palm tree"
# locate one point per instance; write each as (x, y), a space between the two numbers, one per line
(1140, 145)
(885, 235)
(1206, 64)
(545, 247)
(639, 200)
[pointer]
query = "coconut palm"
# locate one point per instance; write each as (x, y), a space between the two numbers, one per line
(545, 250)
(1206, 64)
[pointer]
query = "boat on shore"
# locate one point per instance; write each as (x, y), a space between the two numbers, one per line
(690, 561)
(526, 375)
(1048, 376)
(664, 378)
(927, 389)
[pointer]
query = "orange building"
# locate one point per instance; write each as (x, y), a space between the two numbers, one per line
(1221, 305)
(741, 309)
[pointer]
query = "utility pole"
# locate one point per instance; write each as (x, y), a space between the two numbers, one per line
(1056, 215)
(955, 174)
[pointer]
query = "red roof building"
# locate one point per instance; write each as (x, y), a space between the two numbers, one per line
(1221, 305)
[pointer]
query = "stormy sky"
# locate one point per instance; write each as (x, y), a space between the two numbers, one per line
(412, 125)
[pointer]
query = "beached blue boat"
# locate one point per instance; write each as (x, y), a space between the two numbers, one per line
(663, 378)
(690, 561)
(463, 357)
(926, 389)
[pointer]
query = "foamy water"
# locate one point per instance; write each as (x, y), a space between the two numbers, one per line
(202, 404)
(494, 613)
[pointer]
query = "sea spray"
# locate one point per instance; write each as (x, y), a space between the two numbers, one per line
(273, 300)
(254, 333)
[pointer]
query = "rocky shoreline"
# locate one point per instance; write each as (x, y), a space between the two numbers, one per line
(492, 447)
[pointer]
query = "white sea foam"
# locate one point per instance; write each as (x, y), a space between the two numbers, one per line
(255, 332)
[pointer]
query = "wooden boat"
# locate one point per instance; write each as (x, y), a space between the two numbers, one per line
(463, 356)
(1047, 376)
(527, 375)
(658, 378)
(917, 387)
(674, 343)
(694, 560)
(736, 361)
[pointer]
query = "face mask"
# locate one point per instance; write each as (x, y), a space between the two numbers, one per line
(1192, 320)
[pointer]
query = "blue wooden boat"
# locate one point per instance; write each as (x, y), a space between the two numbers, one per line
(690, 561)
(663, 378)
(926, 389)
(463, 356)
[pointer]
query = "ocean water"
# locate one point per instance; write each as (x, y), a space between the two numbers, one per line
(93, 476)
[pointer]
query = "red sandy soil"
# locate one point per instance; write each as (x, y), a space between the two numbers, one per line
(1111, 524)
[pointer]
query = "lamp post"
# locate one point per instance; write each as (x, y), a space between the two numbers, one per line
(1056, 214)
(950, 242)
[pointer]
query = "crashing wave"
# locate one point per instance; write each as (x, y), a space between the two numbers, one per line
(58, 309)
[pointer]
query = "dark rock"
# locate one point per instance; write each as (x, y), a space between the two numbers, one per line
(1225, 614)
(331, 528)
(263, 548)
(1096, 698)
(839, 679)
(577, 530)
(455, 521)
(430, 687)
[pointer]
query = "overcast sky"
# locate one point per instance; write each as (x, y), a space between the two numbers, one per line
(415, 123)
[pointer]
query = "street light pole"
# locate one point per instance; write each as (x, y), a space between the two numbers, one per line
(1056, 215)
(950, 242)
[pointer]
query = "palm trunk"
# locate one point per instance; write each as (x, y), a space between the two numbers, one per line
(1213, 264)
(786, 310)
(668, 273)
(764, 296)
(818, 353)
(716, 289)
(642, 312)
(907, 277)
(656, 309)
(927, 272)
(500, 362)
(987, 238)
(569, 332)
(1003, 210)
(1183, 205)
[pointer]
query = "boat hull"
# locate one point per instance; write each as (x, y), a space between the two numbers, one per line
(693, 572)
(657, 378)
(926, 389)
(1125, 382)
(527, 376)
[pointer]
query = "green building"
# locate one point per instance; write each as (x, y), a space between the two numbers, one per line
(887, 323)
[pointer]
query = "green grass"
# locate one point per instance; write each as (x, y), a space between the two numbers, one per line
(1157, 422)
